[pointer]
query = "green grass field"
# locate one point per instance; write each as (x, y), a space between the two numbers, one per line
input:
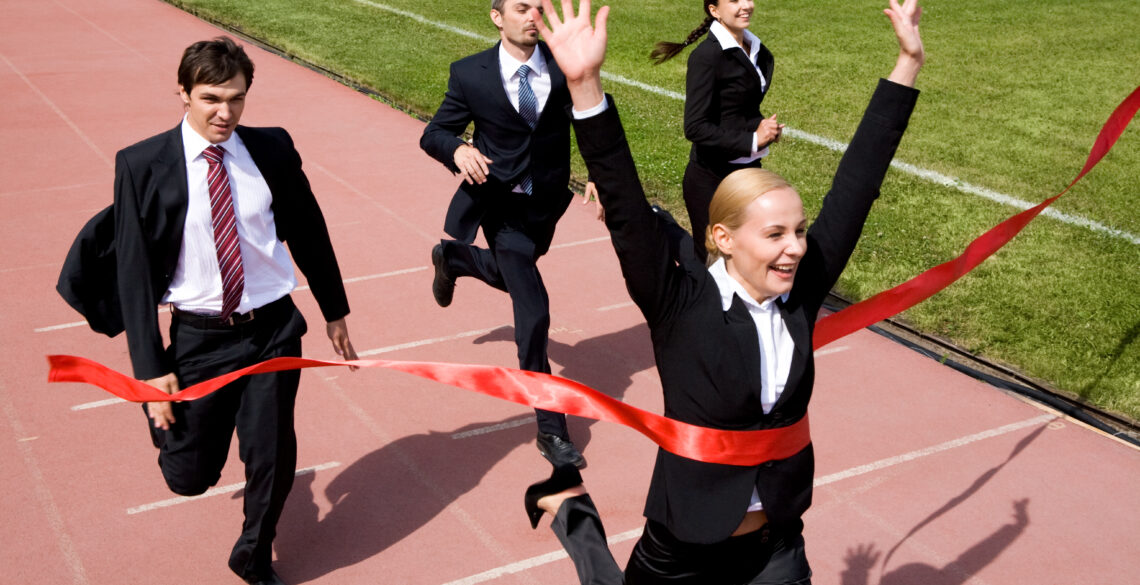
(1014, 94)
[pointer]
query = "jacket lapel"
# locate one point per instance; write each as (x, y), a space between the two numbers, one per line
(557, 80)
(170, 164)
(800, 331)
(743, 330)
(492, 74)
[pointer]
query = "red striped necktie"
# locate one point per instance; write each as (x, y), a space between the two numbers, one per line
(225, 230)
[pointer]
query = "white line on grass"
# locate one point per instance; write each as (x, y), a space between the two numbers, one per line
(217, 491)
(925, 174)
(527, 564)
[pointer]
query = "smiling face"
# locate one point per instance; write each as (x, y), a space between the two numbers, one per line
(213, 110)
(735, 15)
(516, 26)
(765, 250)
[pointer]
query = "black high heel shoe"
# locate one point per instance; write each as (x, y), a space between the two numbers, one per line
(563, 478)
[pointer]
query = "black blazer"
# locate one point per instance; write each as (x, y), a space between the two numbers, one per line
(722, 102)
(709, 359)
(475, 93)
(124, 259)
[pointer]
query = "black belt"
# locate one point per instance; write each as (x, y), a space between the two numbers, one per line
(268, 311)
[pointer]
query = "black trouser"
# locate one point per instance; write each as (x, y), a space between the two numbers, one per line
(510, 266)
(260, 407)
(698, 187)
(763, 557)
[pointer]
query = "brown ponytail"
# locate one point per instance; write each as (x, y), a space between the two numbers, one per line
(666, 50)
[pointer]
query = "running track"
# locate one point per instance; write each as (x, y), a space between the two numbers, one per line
(925, 476)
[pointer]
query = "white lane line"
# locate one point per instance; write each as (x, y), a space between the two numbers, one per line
(892, 461)
(97, 404)
(431, 341)
(217, 491)
(533, 562)
(580, 243)
(61, 326)
(547, 558)
(352, 280)
(77, 324)
(492, 428)
(50, 512)
(822, 352)
(617, 306)
(86, 139)
(925, 174)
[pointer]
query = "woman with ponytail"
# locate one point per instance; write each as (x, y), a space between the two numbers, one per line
(727, 78)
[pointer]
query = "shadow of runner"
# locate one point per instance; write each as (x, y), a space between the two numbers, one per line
(970, 491)
(383, 497)
(861, 559)
(605, 363)
(387, 494)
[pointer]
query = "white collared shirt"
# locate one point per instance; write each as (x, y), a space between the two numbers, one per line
(539, 77)
(728, 43)
(776, 346)
(197, 283)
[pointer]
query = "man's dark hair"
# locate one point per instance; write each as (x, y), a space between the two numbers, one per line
(497, 5)
(213, 62)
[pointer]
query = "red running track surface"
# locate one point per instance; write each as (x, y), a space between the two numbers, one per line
(924, 475)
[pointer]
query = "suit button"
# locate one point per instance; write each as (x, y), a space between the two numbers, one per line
(768, 464)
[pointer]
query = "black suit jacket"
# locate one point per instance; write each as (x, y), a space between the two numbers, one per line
(709, 359)
(124, 259)
(475, 93)
(722, 102)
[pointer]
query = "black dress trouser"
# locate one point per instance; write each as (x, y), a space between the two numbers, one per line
(698, 187)
(510, 265)
(259, 407)
(764, 557)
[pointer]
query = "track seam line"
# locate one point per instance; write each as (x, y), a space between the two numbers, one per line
(924, 174)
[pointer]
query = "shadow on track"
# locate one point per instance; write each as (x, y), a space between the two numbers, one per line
(393, 491)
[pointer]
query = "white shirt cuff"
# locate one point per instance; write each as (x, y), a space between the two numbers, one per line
(591, 112)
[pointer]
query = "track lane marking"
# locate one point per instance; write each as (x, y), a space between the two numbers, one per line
(217, 491)
(537, 561)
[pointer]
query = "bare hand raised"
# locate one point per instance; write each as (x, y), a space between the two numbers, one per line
(912, 55)
(578, 47)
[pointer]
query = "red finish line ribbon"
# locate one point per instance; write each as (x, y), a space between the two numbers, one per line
(528, 388)
(908, 294)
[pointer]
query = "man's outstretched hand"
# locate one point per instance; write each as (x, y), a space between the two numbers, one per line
(578, 47)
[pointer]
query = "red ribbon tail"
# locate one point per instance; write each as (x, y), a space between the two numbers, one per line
(908, 294)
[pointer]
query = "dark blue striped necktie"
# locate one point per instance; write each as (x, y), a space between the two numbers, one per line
(528, 109)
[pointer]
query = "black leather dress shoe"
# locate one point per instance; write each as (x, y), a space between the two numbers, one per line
(559, 451)
(443, 287)
(563, 478)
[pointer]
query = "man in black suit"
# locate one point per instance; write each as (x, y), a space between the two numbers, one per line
(200, 220)
(515, 173)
